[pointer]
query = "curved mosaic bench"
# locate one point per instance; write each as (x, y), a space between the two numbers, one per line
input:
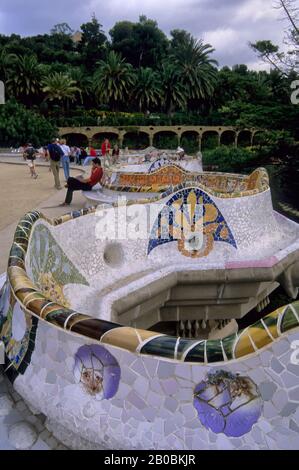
(168, 177)
(33, 301)
(101, 383)
(148, 165)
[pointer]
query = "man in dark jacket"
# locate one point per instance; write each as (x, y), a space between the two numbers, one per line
(55, 153)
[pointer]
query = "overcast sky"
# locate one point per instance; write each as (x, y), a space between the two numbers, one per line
(228, 25)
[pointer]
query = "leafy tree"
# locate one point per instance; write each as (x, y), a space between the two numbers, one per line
(123, 40)
(142, 44)
(113, 80)
(16, 45)
(52, 48)
(62, 29)
(150, 42)
(285, 62)
(178, 37)
(7, 60)
(19, 125)
(268, 52)
(92, 42)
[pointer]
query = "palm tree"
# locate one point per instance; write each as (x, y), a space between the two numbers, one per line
(147, 90)
(83, 81)
(60, 87)
(197, 70)
(113, 80)
(173, 90)
(25, 77)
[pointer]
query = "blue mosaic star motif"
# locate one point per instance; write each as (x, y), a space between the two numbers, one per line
(204, 212)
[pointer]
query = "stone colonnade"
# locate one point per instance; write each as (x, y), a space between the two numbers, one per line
(120, 132)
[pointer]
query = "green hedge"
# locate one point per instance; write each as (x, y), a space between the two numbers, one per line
(230, 159)
(95, 117)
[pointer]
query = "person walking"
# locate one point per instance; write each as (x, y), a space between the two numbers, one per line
(65, 159)
(77, 184)
(30, 155)
(55, 153)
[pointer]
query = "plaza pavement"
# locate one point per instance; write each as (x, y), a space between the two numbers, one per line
(19, 193)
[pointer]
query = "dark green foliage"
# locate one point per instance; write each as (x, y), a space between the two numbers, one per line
(165, 140)
(142, 44)
(230, 159)
(18, 126)
(92, 44)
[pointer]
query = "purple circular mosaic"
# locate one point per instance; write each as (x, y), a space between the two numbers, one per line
(227, 403)
(97, 371)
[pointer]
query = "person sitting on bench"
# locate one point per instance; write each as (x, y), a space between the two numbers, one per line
(76, 184)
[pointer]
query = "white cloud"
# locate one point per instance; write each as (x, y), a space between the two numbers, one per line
(222, 39)
(255, 10)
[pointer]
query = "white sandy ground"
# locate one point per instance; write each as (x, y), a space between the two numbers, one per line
(19, 193)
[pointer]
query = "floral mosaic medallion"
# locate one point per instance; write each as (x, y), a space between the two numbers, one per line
(228, 403)
(192, 219)
(97, 371)
(17, 331)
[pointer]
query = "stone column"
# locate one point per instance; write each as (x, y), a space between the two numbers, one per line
(151, 140)
(236, 139)
(199, 141)
(120, 140)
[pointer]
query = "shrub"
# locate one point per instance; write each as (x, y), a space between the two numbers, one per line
(19, 125)
(230, 159)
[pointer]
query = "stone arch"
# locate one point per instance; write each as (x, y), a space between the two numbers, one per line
(245, 138)
(166, 140)
(190, 141)
(136, 140)
(76, 139)
(97, 139)
(228, 137)
(210, 140)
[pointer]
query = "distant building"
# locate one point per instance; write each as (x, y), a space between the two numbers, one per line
(77, 36)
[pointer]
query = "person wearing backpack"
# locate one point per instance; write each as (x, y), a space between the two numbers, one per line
(55, 153)
(30, 156)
